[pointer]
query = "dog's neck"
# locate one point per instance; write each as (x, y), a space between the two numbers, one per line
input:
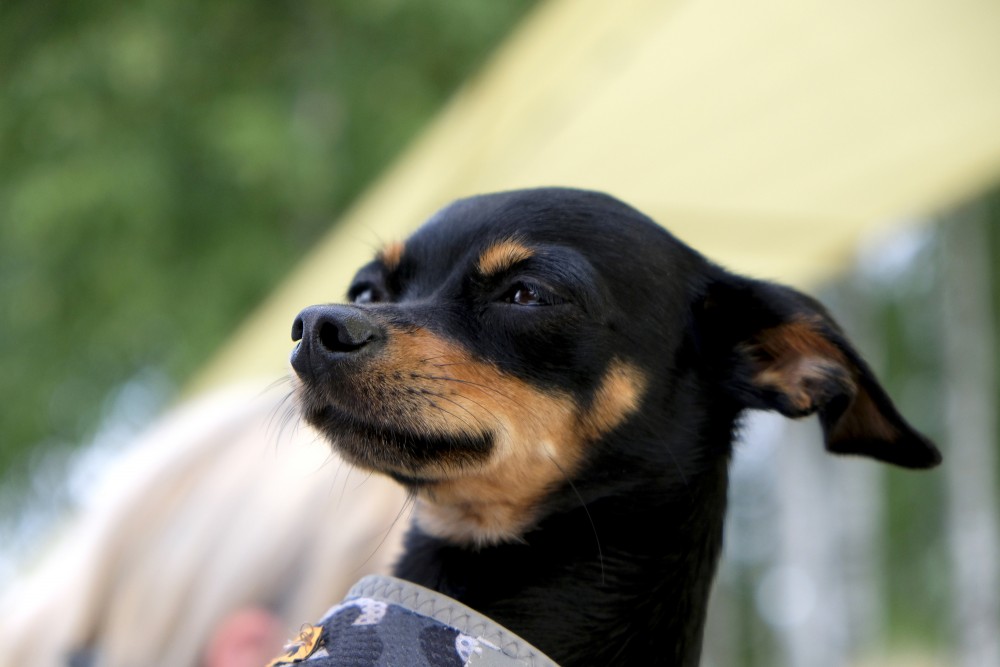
(623, 580)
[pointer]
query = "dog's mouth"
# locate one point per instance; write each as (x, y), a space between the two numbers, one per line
(406, 452)
(393, 398)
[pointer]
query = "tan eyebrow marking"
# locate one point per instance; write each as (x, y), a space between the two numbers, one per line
(391, 255)
(502, 255)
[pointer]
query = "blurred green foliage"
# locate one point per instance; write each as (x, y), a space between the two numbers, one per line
(164, 162)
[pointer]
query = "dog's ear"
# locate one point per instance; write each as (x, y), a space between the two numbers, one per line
(780, 350)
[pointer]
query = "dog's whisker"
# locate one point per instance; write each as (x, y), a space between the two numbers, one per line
(338, 472)
(437, 356)
(677, 466)
(343, 485)
(364, 480)
(291, 421)
(446, 378)
(289, 415)
(273, 413)
(407, 504)
(496, 420)
(274, 384)
(583, 504)
(479, 422)
(449, 412)
(331, 457)
(482, 427)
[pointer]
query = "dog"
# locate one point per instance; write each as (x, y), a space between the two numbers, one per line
(557, 380)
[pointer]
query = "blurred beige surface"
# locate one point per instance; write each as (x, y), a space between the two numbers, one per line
(769, 135)
(222, 504)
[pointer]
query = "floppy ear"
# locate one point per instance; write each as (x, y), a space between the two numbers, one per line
(781, 351)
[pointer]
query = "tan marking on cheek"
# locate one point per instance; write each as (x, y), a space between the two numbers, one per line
(541, 440)
(535, 447)
(391, 255)
(618, 396)
(454, 392)
(440, 389)
(427, 384)
(501, 256)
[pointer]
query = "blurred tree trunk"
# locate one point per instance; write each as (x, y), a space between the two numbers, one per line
(809, 567)
(859, 485)
(971, 426)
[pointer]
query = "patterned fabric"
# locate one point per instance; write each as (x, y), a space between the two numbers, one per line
(387, 622)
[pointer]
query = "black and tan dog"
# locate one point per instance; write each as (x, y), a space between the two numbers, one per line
(557, 380)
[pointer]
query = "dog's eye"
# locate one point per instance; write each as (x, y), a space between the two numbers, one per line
(524, 295)
(364, 295)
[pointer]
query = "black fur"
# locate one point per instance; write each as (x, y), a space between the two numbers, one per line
(616, 564)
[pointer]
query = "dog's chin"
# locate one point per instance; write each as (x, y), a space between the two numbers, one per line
(404, 453)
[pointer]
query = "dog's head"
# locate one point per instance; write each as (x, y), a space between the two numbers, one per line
(520, 340)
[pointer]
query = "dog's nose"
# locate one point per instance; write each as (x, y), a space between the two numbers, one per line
(329, 334)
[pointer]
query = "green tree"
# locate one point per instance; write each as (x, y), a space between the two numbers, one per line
(164, 162)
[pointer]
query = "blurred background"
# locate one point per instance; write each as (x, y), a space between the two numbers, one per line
(178, 178)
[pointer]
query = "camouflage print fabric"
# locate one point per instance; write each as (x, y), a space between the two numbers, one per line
(387, 622)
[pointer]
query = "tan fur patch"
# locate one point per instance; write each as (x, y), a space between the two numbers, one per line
(795, 358)
(617, 397)
(501, 256)
(391, 255)
(438, 388)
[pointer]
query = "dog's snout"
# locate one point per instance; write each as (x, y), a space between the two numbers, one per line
(334, 328)
(328, 334)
